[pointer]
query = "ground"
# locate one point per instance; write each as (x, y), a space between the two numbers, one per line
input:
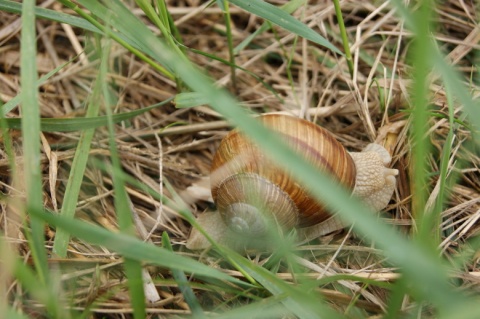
(170, 149)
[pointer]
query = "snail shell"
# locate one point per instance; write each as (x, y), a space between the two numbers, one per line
(250, 191)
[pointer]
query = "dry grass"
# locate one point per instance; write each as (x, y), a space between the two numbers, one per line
(316, 85)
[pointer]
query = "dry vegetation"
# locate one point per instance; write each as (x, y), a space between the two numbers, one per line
(309, 80)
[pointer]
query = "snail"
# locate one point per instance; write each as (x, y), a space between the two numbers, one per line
(251, 192)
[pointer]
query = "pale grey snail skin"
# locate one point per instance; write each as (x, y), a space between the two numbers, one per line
(239, 170)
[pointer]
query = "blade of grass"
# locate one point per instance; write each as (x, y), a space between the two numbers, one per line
(31, 138)
(133, 268)
(172, 27)
(16, 7)
(343, 33)
(231, 54)
(448, 175)
(163, 20)
(165, 16)
(288, 7)
(283, 20)
(162, 24)
(182, 282)
(77, 171)
(396, 299)
(427, 224)
(85, 123)
(190, 99)
(132, 43)
(40, 291)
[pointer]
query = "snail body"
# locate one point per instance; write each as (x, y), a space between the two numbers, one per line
(252, 192)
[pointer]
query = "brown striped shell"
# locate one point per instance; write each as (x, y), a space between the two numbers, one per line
(249, 189)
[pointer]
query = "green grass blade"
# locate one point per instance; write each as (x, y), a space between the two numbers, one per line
(343, 33)
(85, 123)
(42, 13)
(183, 284)
(40, 291)
(190, 99)
(421, 56)
(31, 137)
(165, 16)
(283, 20)
(130, 41)
(133, 272)
(133, 268)
(77, 172)
(288, 7)
(231, 54)
(447, 175)
(162, 24)
(396, 299)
